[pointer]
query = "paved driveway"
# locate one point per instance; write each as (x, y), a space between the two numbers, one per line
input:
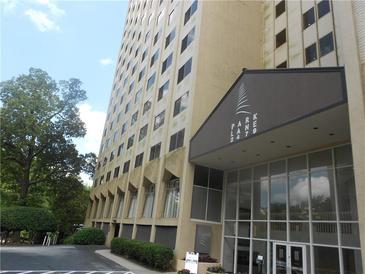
(56, 259)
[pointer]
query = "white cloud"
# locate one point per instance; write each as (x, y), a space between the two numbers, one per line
(94, 124)
(106, 61)
(41, 20)
(9, 6)
(52, 6)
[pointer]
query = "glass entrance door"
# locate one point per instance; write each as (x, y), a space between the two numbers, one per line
(289, 259)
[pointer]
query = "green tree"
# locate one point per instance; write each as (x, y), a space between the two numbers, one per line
(68, 201)
(39, 119)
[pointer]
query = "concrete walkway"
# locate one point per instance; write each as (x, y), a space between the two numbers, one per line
(133, 267)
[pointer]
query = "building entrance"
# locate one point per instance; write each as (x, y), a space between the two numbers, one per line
(289, 259)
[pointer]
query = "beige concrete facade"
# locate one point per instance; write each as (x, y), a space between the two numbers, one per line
(228, 36)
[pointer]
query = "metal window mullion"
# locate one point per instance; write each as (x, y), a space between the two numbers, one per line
(206, 202)
(251, 225)
(339, 242)
(268, 218)
(236, 224)
(311, 249)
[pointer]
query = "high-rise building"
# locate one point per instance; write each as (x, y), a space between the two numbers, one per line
(237, 129)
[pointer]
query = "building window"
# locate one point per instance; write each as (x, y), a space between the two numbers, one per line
(190, 11)
(134, 118)
(124, 128)
(184, 71)
(280, 38)
(160, 16)
(132, 205)
(111, 156)
(151, 81)
(155, 151)
(116, 172)
(108, 176)
(170, 38)
(167, 63)
(141, 74)
(120, 149)
(171, 17)
(308, 18)
(147, 106)
(181, 104)
(121, 99)
(207, 194)
(120, 206)
(139, 160)
(101, 179)
(188, 39)
(177, 140)
(311, 53)
(172, 199)
(154, 58)
(144, 54)
(282, 65)
(326, 44)
(159, 120)
(280, 8)
(126, 166)
(137, 97)
(163, 90)
(155, 39)
(127, 107)
(323, 8)
(149, 201)
(143, 133)
(130, 141)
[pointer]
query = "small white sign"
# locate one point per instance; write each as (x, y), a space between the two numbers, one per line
(191, 262)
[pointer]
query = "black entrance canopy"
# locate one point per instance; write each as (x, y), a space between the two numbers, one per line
(268, 114)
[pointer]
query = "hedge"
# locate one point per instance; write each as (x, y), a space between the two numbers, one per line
(154, 255)
(33, 219)
(88, 236)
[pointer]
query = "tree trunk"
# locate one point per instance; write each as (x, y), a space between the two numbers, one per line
(24, 189)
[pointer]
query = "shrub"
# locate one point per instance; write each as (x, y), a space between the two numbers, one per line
(216, 269)
(69, 240)
(151, 254)
(89, 236)
(184, 271)
(32, 219)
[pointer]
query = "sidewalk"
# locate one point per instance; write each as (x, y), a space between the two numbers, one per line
(133, 267)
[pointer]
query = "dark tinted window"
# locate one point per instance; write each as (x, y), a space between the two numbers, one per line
(280, 38)
(177, 140)
(190, 11)
(126, 167)
(282, 65)
(184, 71)
(326, 44)
(280, 8)
(308, 18)
(201, 175)
(310, 53)
(323, 8)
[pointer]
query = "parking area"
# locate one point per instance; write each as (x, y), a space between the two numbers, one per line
(56, 259)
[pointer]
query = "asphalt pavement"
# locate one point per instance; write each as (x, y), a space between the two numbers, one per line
(57, 259)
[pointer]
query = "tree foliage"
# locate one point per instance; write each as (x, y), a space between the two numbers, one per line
(39, 119)
(27, 218)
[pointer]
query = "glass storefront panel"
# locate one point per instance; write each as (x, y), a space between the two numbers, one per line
(284, 202)
(243, 256)
(231, 196)
(325, 233)
(299, 232)
(345, 182)
(259, 230)
(245, 195)
(298, 197)
(278, 197)
(198, 202)
(228, 254)
(352, 263)
(350, 235)
(323, 196)
(326, 260)
(260, 199)
(278, 231)
(259, 249)
(244, 229)
(214, 205)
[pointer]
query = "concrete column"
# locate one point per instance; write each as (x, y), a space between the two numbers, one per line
(356, 99)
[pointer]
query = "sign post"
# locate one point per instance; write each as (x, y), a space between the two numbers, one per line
(191, 262)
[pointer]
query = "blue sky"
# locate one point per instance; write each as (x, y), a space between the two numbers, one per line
(68, 39)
